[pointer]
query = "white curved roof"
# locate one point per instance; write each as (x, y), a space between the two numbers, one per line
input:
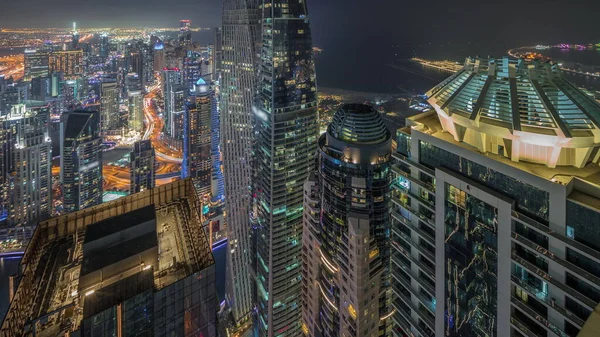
(520, 95)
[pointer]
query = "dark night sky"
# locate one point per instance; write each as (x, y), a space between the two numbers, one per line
(354, 33)
(401, 21)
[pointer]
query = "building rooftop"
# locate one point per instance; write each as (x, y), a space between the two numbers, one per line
(49, 299)
(358, 124)
(525, 106)
(520, 94)
(429, 123)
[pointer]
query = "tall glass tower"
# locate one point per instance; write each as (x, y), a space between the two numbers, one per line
(239, 36)
(286, 143)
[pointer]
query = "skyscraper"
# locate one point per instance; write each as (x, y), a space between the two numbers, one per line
(74, 37)
(346, 288)
(35, 64)
(109, 107)
(25, 181)
(175, 92)
(240, 34)
(141, 167)
(68, 62)
(217, 51)
(495, 194)
(192, 68)
(185, 34)
(136, 111)
(104, 46)
(287, 122)
(153, 246)
(80, 160)
(197, 163)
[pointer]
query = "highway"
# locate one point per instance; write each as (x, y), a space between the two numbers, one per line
(12, 65)
(168, 160)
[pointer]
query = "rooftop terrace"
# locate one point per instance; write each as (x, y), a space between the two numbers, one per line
(48, 299)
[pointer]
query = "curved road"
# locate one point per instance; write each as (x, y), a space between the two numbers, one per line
(169, 160)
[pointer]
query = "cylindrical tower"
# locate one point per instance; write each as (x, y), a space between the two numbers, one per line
(354, 248)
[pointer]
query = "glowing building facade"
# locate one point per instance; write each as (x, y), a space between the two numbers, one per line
(197, 162)
(142, 167)
(239, 36)
(286, 143)
(26, 180)
(495, 194)
(346, 278)
(80, 160)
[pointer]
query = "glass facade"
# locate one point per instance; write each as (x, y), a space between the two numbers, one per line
(530, 200)
(579, 225)
(471, 265)
(286, 143)
(239, 37)
(187, 307)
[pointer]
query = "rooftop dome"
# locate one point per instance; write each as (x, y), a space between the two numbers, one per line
(501, 101)
(358, 124)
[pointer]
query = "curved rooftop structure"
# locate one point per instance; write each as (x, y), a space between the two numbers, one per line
(358, 124)
(358, 135)
(520, 109)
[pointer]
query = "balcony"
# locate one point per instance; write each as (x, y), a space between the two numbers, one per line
(537, 271)
(426, 236)
(537, 249)
(426, 269)
(429, 220)
(543, 297)
(417, 181)
(424, 301)
(537, 317)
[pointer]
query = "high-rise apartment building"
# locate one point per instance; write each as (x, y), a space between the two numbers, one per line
(175, 92)
(68, 62)
(35, 64)
(159, 61)
(136, 111)
(495, 200)
(239, 36)
(142, 166)
(185, 34)
(192, 68)
(104, 49)
(286, 114)
(197, 162)
(346, 279)
(80, 160)
(217, 51)
(25, 164)
(109, 107)
(137, 266)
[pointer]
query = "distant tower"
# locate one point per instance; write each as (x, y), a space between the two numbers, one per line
(75, 37)
(347, 223)
(25, 167)
(80, 160)
(104, 46)
(185, 34)
(192, 68)
(217, 53)
(197, 163)
(237, 40)
(136, 111)
(109, 107)
(175, 93)
(35, 64)
(141, 167)
(159, 56)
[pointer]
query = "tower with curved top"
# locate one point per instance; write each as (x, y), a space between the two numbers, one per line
(346, 277)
